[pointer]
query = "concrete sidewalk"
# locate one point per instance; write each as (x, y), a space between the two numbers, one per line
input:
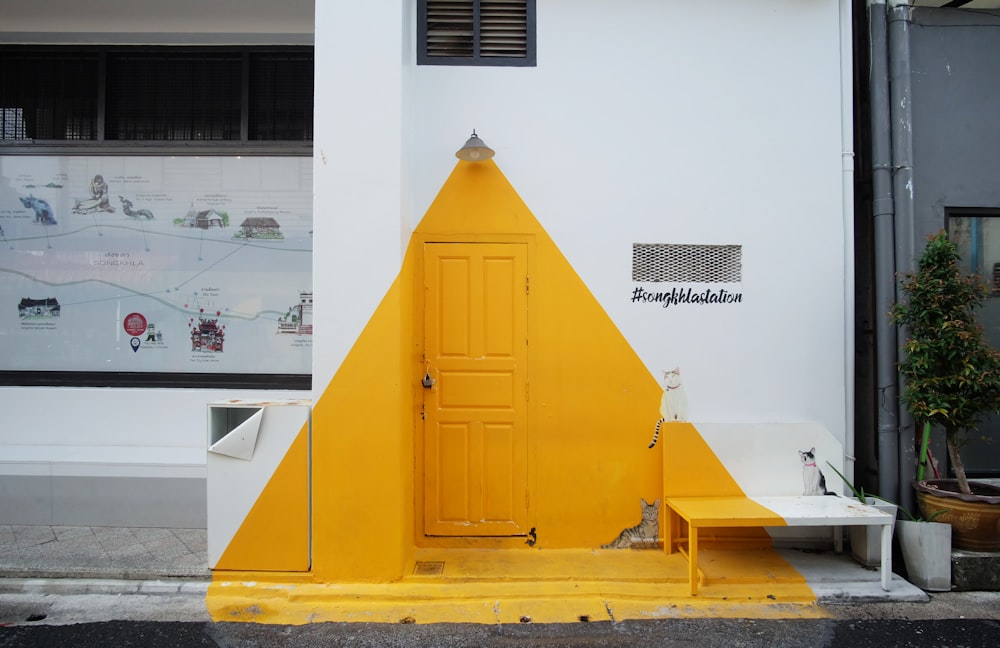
(149, 554)
(68, 575)
(55, 552)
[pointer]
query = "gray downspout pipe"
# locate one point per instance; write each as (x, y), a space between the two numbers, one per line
(901, 99)
(885, 257)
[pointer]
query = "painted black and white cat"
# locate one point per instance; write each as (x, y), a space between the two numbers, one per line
(813, 481)
(673, 403)
(642, 535)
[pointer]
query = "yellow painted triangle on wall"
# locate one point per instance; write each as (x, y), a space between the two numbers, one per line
(690, 467)
(602, 398)
(275, 534)
(590, 435)
(478, 199)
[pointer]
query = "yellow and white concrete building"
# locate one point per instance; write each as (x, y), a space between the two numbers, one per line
(672, 189)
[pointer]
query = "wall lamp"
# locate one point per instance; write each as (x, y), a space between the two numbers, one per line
(475, 150)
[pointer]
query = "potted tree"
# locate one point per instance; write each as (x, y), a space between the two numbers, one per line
(952, 380)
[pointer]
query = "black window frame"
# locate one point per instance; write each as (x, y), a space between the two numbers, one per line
(989, 272)
(101, 145)
(475, 59)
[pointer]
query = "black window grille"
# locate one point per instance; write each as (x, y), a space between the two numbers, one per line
(281, 97)
(169, 94)
(48, 96)
(173, 96)
(476, 32)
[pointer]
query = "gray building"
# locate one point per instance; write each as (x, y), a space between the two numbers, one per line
(928, 136)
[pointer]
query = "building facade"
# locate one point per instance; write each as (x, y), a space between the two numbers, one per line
(670, 208)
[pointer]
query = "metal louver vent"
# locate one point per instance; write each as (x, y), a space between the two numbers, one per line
(450, 28)
(662, 262)
(476, 32)
(503, 28)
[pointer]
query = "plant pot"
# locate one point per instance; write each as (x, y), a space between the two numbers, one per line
(974, 519)
(866, 541)
(926, 548)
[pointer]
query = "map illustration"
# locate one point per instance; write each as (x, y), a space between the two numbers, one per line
(156, 264)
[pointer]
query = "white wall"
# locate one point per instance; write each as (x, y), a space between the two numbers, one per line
(679, 122)
(666, 122)
(163, 420)
(358, 172)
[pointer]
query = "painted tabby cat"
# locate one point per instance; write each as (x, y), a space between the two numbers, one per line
(673, 403)
(643, 534)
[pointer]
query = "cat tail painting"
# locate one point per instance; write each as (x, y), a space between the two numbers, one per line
(673, 403)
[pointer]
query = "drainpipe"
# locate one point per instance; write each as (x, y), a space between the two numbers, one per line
(885, 258)
(901, 98)
(847, 198)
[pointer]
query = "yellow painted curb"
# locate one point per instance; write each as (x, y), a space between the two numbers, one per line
(491, 603)
(519, 586)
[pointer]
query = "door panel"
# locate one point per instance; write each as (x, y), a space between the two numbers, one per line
(475, 419)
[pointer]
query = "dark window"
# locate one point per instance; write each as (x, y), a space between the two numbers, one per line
(476, 32)
(976, 232)
(164, 94)
(281, 96)
(173, 96)
(48, 95)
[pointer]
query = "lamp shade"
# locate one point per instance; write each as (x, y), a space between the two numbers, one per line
(475, 150)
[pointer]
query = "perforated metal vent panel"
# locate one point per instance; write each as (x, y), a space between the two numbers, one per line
(687, 263)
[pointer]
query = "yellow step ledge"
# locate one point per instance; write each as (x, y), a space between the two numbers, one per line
(519, 586)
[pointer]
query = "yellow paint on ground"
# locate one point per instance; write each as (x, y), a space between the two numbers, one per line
(545, 586)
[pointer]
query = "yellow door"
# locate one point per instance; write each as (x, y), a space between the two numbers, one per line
(475, 420)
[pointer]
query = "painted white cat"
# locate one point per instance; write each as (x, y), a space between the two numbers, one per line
(813, 481)
(673, 403)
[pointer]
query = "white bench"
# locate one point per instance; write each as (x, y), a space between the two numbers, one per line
(762, 488)
(693, 513)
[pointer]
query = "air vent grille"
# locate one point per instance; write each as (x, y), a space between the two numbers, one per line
(664, 262)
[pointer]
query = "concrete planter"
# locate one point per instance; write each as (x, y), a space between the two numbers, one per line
(866, 541)
(926, 548)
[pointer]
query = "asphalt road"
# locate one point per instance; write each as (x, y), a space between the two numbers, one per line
(947, 620)
(738, 633)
